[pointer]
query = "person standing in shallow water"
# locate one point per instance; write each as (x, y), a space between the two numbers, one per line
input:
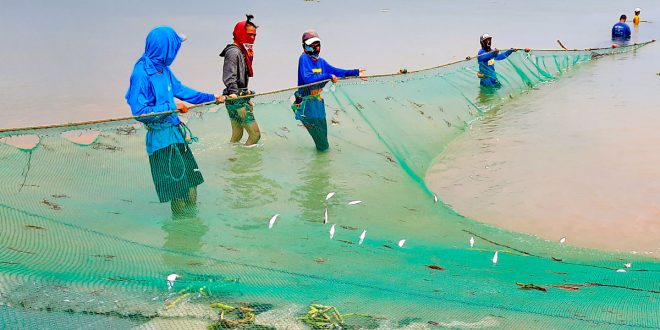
(309, 106)
(621, 30)
(153, 88)
(486, 59)
(236, 73)
(636, 18)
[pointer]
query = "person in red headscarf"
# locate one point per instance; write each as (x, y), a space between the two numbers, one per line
(236, 73)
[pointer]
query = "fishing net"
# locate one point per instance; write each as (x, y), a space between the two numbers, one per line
(85, 242)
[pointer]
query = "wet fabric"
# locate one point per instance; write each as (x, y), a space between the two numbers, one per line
(240, 111)
(318, 130)
(174, 171)
(153, 88)
(487, 66)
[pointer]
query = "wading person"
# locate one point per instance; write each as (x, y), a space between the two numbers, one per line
(636, 18)
(486, 59)
(309, 106)
(236, 73)
(153, 88)
(621, 30)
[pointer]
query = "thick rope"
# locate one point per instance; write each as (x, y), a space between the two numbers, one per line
(103, 121)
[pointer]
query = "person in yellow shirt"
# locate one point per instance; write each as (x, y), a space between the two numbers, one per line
(636, 18)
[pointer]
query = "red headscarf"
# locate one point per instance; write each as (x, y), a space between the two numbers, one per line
(244, 42)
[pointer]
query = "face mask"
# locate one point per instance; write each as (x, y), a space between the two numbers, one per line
(314, 50)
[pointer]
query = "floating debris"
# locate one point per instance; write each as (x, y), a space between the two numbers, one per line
(232, 317)
(627, 265)
(354, 202)
(401, 243)
(320, 260)
(531, 286)
(471, 241)
(434, 267)
(171, 279)
(52, 205)
(620, 270)
(332, 231)
(435, 198)
(567, 287)
(556, 259)
(325, 216)
(329, 195)
(362, 236)
(562, 240)
(495, 258)
(272, 221)
(35, 227)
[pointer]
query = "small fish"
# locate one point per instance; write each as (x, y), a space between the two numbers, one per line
(362, 236)
(562, 240)
(325, 216)
(495, 258)
(272, 221)
(332, 231)
(471, 241)
(435, 198)
(620, 270)
(354, 202)
(628, 265)
(171, 279)
(329, 195)
(401, 243)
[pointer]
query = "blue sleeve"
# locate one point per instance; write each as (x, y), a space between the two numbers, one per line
(305, 73)
(141, 99)
(484, 56)
(341, 73)
(188, 94)
(503, 55)
(627, 30)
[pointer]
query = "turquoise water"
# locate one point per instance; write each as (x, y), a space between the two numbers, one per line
(83, 233)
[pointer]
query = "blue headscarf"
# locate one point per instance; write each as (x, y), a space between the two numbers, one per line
(163, 44)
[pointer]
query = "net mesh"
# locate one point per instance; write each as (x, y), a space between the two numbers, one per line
(85, 242)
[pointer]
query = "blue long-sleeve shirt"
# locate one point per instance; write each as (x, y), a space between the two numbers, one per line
(154, 87)
(311, 71)
(487, 66)
(620, 31)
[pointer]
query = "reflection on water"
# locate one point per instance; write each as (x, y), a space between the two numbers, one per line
(316, 183)
(246, 186)
(183, 234)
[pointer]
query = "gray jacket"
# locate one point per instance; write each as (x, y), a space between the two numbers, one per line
(234, 71)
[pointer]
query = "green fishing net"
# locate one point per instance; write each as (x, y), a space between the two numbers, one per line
(85, 242)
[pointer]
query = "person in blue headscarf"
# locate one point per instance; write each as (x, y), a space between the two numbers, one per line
(487, 58)
(152, 90)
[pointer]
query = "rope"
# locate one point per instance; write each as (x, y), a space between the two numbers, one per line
(468, 58)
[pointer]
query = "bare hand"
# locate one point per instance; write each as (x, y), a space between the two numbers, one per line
(362, 75)
(527, 50)
(496, 51)
(232, 96)
(334, 79)
(182, 107)
(219, 99)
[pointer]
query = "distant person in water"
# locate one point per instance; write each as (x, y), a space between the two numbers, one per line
(636, 19)
(486, 59)
(621, 30)
(309, 106)
(153, 88)
(236, 73)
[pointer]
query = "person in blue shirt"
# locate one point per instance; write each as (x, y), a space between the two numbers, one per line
(153, 88)
(621, 30)
(486, 59)
(309, 106)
